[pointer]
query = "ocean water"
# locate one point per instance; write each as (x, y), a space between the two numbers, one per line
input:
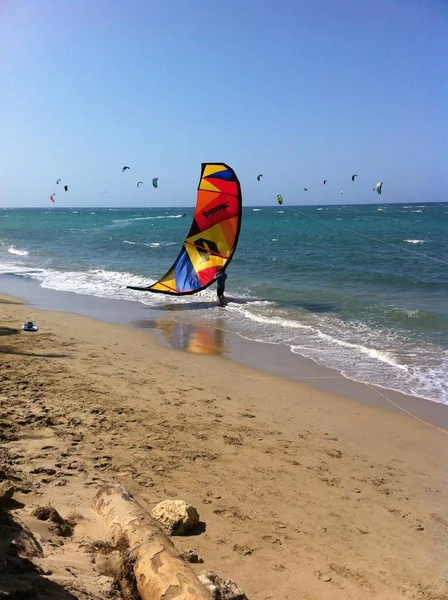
(362, 289)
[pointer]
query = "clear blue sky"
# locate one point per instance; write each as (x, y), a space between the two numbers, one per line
(299, 90)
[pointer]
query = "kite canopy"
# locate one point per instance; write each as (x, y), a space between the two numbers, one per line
(305, 189)
(66, 188)
(58, 181)
(213, 235)
(259, 177)
(378, 187)
(154, 182)
(325, 181)
(52, 197)
(124, 169)
(353, 177)
(280, 199)
(138, 184)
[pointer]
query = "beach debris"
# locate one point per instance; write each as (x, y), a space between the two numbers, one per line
(323, 576)
(176, 516)
(30, 326)
(6, 491)
(150, 559)
(219, 588)
(191, 556)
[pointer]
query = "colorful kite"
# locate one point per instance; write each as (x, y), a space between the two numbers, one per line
(213, 235)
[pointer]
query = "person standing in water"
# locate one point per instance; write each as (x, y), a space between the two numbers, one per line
(220, 284)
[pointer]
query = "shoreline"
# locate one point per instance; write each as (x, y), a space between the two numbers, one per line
(303, 492)
(272, 359)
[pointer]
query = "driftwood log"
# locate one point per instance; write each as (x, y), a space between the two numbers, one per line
(160, 573)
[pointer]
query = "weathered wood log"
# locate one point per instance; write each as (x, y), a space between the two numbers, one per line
(159, 572)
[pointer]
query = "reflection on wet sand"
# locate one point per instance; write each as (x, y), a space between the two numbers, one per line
(197, 339)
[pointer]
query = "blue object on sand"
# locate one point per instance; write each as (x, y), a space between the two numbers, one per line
(30, 326)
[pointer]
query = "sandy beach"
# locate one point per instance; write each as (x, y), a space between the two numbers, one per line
(304, 494)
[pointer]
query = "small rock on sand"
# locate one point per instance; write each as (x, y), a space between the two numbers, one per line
(176, 516)
(6, 491)
(221, 589)
(191, 556)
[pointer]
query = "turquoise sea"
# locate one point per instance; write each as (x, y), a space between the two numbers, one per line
(362, 289)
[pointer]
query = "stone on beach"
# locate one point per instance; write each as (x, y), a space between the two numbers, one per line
(191, 556)
(219, 588)
(6, 491)
(176, 516)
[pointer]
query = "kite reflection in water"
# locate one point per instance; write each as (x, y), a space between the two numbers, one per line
(196, 339)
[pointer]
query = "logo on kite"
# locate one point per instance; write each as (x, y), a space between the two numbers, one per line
(124, 169)
(279, 198)
(58, 181)
(378, 187)
(52, 197)
(138, 184)
(259, 177)
(154, 182)
(353, 177)
(66, 188)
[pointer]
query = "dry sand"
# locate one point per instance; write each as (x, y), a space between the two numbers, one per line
(304, 494)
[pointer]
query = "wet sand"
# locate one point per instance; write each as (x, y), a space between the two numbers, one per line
(304, 493)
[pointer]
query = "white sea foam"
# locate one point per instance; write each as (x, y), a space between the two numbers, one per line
(414, 241)
(17, 251)
(257, 209)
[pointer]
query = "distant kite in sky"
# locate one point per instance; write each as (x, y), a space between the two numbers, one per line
(138, 184)
(305, 189)
(353, 177)
(58, 181)
(154, 182)
(279, 198)
(325, 181)
(124, 169)
(259, 177)
(66, 188)
(378, 187)
(52, 197)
